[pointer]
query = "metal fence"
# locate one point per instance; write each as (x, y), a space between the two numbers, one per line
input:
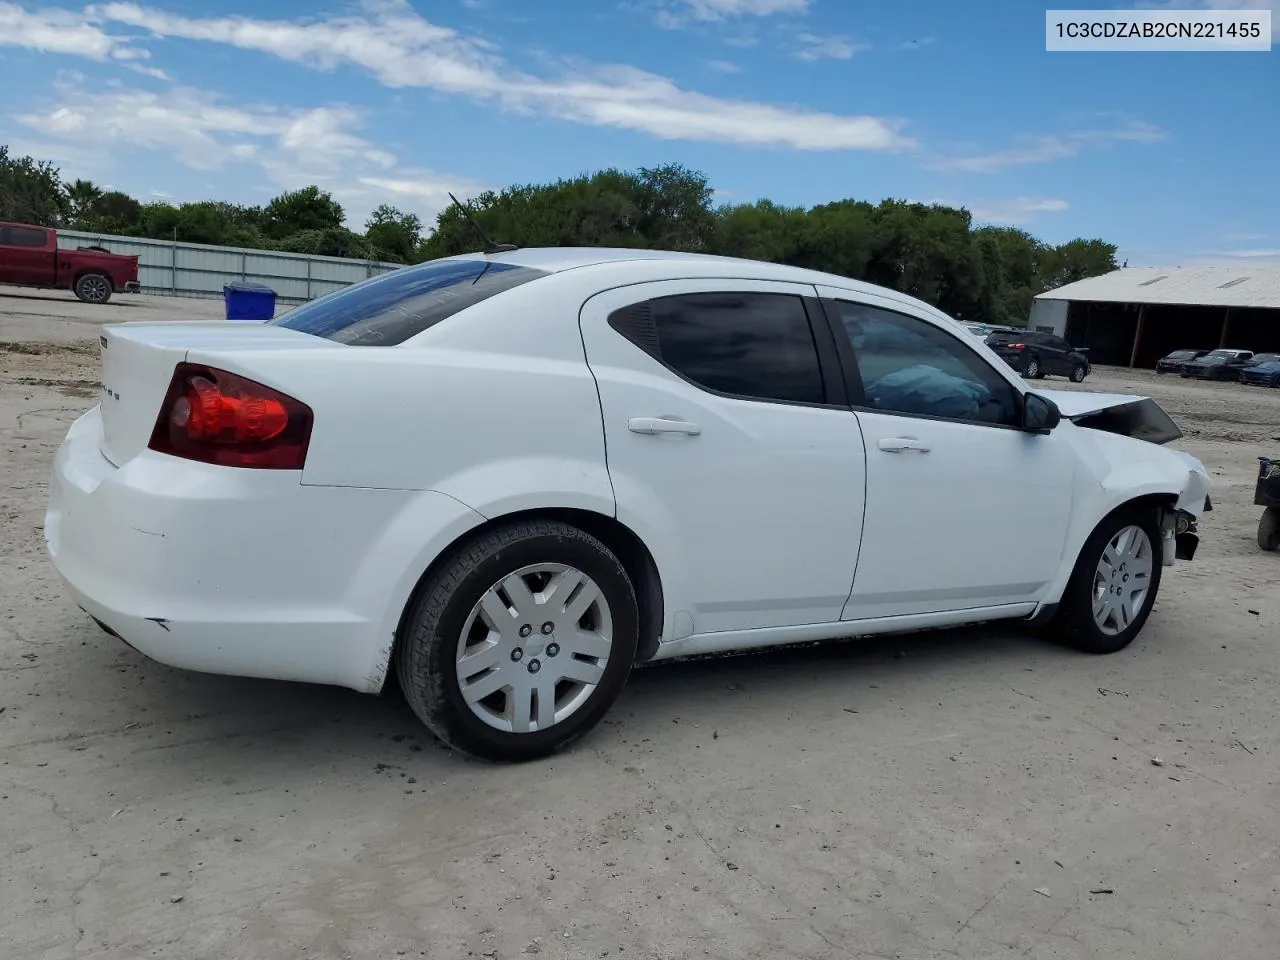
(178, 269)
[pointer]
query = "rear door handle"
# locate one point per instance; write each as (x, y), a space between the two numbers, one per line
(902, 445)
(655, 425)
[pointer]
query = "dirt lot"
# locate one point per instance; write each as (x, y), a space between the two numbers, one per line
(970, 794)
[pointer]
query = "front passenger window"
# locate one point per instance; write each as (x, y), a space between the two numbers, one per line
(913, 367)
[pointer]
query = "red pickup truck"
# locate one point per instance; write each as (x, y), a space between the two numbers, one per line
(30, 257)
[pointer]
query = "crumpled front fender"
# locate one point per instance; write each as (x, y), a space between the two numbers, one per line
(1126, 469)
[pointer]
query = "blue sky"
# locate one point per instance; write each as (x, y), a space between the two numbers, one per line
(1173, 156)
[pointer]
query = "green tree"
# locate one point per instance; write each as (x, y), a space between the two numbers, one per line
(30, 191)
(114, 212)
(307, 209)
(82, 197)
(1014, 262)
(927, 251)
(160, 221)
(393, 236)
(1077, 260)
(763, 231)
(330, 242)
(666, 206)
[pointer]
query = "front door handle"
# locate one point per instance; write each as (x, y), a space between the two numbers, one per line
(655, 425)
(902, 445)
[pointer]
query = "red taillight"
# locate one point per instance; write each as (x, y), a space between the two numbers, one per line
(218, 417)
(1017, 346)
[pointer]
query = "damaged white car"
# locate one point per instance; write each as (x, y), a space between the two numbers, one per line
(510, 477)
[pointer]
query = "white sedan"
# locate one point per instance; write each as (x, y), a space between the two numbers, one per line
(512, 477)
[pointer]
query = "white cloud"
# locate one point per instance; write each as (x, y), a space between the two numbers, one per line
(52, 30)
(291, 146)
(1042, 149)
(724, 9)
(400, 48)
(724, 66)
(1016, 210)
(814, 47)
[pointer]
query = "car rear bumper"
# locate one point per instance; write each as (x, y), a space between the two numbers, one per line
(1016, 359)
(234, 571)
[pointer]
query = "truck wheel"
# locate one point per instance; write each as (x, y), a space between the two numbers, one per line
(93, 288)
(1114, 584)
(1269, 529)
(520, 641)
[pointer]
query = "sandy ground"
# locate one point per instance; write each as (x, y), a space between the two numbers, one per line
(968, 794)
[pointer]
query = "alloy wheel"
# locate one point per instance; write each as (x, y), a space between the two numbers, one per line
(94, 288)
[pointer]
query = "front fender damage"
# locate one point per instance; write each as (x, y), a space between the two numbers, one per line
(1122, 442)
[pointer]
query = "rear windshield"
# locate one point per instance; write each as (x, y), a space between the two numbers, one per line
(390, 309)
(1182, 355)
(1005, 337)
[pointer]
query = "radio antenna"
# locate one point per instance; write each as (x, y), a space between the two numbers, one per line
(489, 245)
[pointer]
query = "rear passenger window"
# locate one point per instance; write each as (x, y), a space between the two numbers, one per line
(21, 237)
(753, 345)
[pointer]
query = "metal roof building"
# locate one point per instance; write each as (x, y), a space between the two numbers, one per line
(1136, 315)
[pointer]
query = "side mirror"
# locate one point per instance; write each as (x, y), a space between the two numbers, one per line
(1039, 414)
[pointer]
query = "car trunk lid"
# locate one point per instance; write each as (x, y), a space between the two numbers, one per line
(138, 360)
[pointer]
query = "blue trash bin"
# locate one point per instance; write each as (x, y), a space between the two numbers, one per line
(249, 301)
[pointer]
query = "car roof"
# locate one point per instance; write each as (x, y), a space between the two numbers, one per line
(560, 259)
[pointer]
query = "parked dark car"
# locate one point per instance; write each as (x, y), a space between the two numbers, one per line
(1262, 371)
(1172, 363)
(1035, 355)
(1218, 365)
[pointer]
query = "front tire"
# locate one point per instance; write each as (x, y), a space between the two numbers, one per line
(1114, 584)
(93, 288)
(1077, 373)
(520, 641)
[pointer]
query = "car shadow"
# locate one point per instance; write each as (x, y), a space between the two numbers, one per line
(206, 720)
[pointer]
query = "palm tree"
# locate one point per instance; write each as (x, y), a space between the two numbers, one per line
(82, 195)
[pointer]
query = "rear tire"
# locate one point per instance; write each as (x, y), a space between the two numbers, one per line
(1269, 529)
(1101, 610)
(492, 618)
(1034, 370)
(93, 288)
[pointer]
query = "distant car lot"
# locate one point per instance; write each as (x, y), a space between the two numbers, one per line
(1244, 366)
(941, 777)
